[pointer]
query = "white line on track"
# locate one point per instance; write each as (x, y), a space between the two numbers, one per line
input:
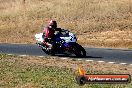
(40, 56)
(88, 60)
(64, 58)
(111, 62)
(79, 59)
(10, 54)
(100, 61)
(22, 55)
(123, 63)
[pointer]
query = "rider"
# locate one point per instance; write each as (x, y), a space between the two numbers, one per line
(49, 33)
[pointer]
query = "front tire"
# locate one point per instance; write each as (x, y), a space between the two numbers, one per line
(79, 51)
(49, 52)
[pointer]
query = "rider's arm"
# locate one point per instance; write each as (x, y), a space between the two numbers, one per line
(46, 32)
(58, 29)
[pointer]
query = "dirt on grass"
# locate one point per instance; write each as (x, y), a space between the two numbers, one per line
(115, 38)
(36, 72)
(75, 64)
(96, 23)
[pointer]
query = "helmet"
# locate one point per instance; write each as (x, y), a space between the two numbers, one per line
(52, 24)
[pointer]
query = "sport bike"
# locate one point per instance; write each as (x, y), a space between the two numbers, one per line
(64, 42)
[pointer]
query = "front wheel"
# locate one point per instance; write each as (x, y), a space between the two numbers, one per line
(79, 51)
(49, 52)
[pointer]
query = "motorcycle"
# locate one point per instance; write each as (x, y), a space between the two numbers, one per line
(65, 43)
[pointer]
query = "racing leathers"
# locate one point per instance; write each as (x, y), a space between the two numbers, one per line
(49, 37)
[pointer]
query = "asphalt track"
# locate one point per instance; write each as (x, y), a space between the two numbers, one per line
(122, 56)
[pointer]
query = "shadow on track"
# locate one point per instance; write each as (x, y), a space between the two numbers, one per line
(76, 57)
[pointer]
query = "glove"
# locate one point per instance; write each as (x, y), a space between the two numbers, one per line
(46, 40)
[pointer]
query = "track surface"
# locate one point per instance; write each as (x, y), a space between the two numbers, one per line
(97, 54)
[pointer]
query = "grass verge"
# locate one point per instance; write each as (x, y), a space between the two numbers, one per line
(51, 72)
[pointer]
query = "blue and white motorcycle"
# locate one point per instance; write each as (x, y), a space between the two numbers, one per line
(65, 43)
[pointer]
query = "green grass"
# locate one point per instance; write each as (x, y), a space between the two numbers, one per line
(16, 73)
